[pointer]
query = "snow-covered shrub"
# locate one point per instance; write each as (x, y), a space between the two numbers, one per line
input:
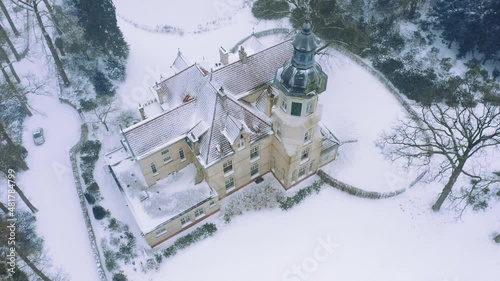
(119, 277)
(198, 234)
(99, 212)
(110, 260)
(302, 194)
(102, 85)
(259, 197)
(497, 238)
(93, 188)
(90, 198)
(87, 104)
(115, 67)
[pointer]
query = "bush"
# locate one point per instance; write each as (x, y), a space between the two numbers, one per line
(90, 198)
(102, 85)
(120, 277)
(93, 189)
(115, 68)
(90, 151)
(198, 234)
(99, 212)
(110, 260)
(270, 9)
(302, 194)
(87, 105)
(260, 197)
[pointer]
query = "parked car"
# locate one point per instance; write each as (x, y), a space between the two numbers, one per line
(38, 138)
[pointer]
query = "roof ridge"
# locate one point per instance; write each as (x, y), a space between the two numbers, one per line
(180, 72)
(145, 121)
(257, 53)
(237, 102)
(211, 128)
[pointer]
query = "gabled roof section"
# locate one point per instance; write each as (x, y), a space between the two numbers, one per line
(230, 113)
(183, 85)
(151, 134)
(263, 101)
(181, 62)
(239, 78)
(252, 45)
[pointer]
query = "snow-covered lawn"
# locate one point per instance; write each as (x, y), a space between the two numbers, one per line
(187, 15)
(390, 240)
(50, 185)
(359, 108)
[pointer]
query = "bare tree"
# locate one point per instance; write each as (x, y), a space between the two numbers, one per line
(5, 57)
(27, 242)
(453, 134)
(9, 19)
(53, 16)
(101, 113)
(5, 37)
(32, 5)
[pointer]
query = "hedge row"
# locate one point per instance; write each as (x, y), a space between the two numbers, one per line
(89, 154)
(289, 202)
(198, 234)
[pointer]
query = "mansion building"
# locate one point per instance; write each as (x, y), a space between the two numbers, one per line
(221, 129)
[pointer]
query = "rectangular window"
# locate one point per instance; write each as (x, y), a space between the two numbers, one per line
(311, 166)
(166, 156)
(254, 152)
(254, 170)
(153, 169)
(296, 108)
(294, 175)
(199, 213)
(309, 108)
(308, 136)
(305, 154)
(241, 143)
(185, 220)
(302, 171)
(278, 130)
(229, 183)
(212, 203)
(273, 163)
(284, 104)
(160, 232)
(181, 154)
(228, 166)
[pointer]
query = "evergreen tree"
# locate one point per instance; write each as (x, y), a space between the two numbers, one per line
(473, 25)
(98, 18)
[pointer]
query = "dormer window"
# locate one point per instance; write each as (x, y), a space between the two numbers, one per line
(241, 142)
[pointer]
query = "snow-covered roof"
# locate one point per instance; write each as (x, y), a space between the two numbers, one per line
(239, 78)
(181, 62)
(252, 45)
(151, 134)
(169, 197)
(196, 109)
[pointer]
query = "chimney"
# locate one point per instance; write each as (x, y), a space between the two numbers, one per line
(222, 96)
(243, 55)
(196, 144)
(141, 111)
(224, 56)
